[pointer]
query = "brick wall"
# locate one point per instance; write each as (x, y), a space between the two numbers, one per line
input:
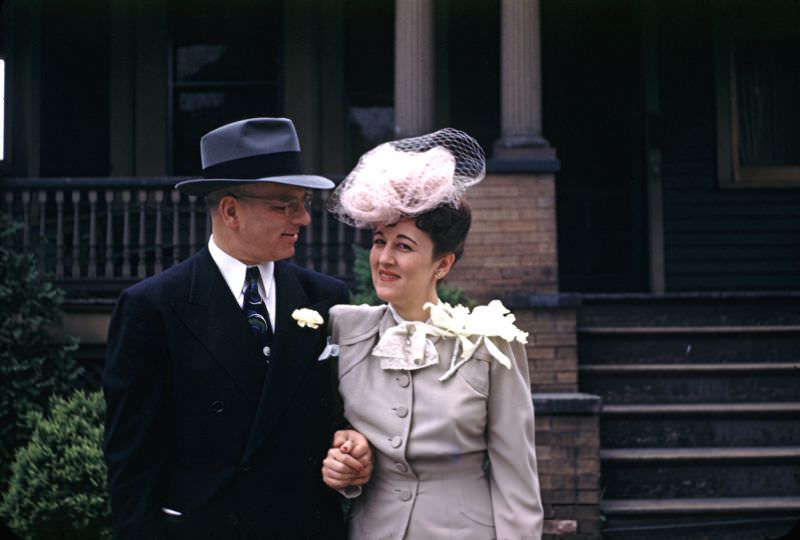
(552, 350)
(567, 453)
(512, 243)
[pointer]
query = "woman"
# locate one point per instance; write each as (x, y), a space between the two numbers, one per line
(442, 395)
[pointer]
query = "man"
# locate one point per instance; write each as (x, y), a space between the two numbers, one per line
(220, 405)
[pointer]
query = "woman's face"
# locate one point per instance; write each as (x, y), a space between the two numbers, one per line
(403, 267)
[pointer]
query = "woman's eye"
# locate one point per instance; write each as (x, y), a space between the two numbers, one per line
(404, 247)
(378, 242)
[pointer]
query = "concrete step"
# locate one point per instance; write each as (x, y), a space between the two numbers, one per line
(699, 345)
(690, 308)
(647, 455)
(721, 505)
(740, 518)
(691, 383)
(700, 425)
(705, 408)
(711, 367)
(707, 472)
(688, 329)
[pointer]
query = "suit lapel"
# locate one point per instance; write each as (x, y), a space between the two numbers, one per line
(295, 348)
(215, 319)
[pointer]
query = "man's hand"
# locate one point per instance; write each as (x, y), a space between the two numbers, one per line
(349, 460)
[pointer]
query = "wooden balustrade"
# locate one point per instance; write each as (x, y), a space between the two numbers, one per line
(100, 234)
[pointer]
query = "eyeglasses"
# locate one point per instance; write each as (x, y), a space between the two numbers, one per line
(287, 208)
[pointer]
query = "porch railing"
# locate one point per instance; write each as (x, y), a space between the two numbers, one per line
(97, 235)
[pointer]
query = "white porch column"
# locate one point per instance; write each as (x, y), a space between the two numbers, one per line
(521, 80)
(413, 72)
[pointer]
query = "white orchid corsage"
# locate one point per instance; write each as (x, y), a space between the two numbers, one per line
(483, 324)
(307, 317)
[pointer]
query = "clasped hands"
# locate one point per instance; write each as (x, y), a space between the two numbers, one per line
(348, 462)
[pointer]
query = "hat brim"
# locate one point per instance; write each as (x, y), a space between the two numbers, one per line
(204, 186)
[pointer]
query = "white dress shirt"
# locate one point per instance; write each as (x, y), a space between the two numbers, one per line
(234, 270)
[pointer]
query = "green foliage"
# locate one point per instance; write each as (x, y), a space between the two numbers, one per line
(364, 292)
(33, 364)
(57, 486)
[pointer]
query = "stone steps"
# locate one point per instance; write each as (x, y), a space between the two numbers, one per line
(700, 422)
(686, 347)
(740, 518)
(650, 473)
(693, 425)
(692, 383)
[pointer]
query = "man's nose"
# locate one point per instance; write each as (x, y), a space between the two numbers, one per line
(301, 216)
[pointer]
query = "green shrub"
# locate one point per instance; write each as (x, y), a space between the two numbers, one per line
(364, 292)
(33, 364)
(57, 486)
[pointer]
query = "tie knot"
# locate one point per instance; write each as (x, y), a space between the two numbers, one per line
(252, 275)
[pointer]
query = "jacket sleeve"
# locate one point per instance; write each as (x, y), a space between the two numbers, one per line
(516, 501)
(337, 408)
(136, 386)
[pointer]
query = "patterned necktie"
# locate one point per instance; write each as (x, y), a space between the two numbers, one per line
(256, 311)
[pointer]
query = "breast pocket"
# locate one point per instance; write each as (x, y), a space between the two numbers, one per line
(475, 373)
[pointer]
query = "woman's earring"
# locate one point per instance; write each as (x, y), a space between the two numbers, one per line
(438, 275)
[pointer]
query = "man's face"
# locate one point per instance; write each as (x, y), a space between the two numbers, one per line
(268, 221)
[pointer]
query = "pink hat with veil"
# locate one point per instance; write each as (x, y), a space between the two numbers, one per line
(408, 177)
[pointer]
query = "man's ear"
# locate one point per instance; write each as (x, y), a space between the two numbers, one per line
(228, 209)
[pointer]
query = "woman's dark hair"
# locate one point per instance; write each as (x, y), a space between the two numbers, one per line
(448, 227)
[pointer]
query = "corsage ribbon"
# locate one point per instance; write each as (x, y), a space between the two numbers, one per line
(407, 345)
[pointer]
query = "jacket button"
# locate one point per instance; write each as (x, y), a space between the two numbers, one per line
(217, 407)
(403, 380)
(396, 441)
(246, 466)
(233, 519)
(402, 467)
(405, 495)
(401, 411)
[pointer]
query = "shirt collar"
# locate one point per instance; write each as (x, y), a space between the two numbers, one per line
(233, 270)
(399, 320)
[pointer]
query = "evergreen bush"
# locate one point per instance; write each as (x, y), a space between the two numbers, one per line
(364, 292)
(33, 363)
(58, 479)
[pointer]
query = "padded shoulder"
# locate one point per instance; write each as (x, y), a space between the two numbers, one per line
(350, 324)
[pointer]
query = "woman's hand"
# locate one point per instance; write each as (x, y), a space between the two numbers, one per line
(349, 460)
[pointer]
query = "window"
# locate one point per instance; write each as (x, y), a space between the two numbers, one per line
(758, 102)
(224, 66)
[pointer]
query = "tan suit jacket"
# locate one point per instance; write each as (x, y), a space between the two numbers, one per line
(453, 459)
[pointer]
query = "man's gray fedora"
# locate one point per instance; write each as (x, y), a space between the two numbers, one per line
(248, 151)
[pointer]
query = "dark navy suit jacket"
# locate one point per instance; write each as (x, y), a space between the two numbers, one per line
(193, 425)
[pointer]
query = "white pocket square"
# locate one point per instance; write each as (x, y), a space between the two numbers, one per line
(331, 349)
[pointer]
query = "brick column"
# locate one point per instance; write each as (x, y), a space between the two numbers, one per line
(413, 68)
(568, 456)
(512, 244)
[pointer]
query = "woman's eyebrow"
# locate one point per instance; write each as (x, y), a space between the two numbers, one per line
(408, 238)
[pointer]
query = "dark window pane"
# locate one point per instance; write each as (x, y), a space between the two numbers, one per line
(472, 56)
(224, 67)
(768, 103)
(197, 111)
(369, 73)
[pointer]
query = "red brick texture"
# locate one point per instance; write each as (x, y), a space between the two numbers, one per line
(512, 243)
